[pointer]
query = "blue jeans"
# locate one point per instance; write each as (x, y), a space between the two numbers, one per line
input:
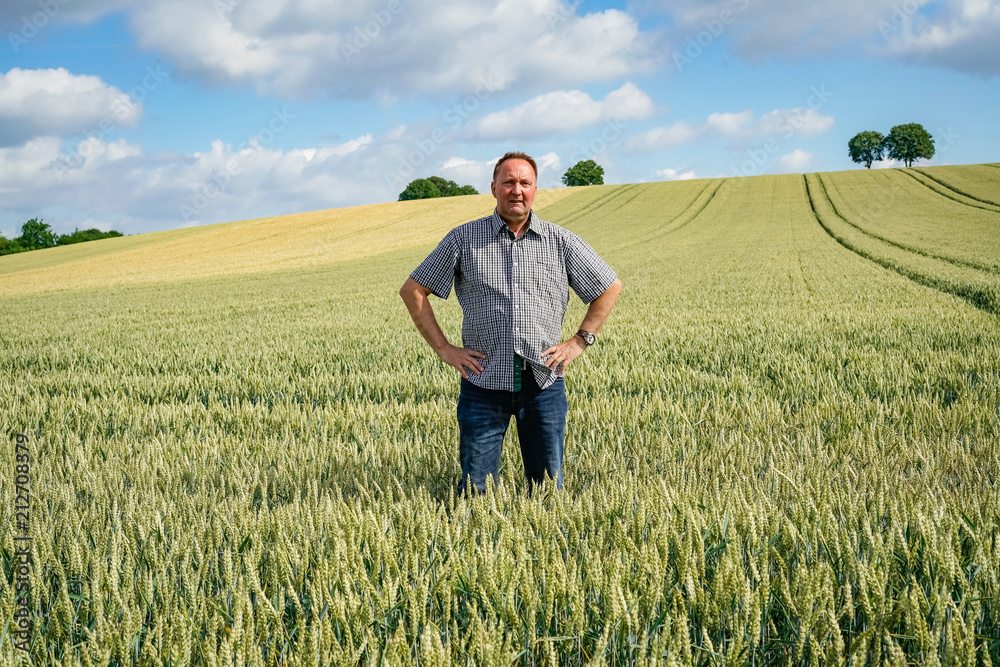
(483, 417)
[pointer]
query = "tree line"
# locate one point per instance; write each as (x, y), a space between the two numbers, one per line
(433, 187)
(36, 235)
(907, 143)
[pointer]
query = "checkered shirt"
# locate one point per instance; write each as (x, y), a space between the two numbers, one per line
(513, 293)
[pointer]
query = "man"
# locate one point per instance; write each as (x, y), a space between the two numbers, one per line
(512, 272)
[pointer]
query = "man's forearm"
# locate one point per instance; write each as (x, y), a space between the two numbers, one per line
(419, 307)
(600, 308)
(415, 297)
(562, 354)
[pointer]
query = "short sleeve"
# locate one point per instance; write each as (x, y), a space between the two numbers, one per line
(587, 273)
(437, 272)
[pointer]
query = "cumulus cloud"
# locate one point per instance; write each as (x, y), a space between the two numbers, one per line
(169, 190)
(41, 171)
(305, 49)
(675, 175)
(66, 183)
(963, 37)
(958, 34)
(801, 122)
(738, 128)
(302, 48)
(55, 102)
(564, 111)
(729, 124)
(888, 164)
(466, 171)
(660, 138)
(796, 161)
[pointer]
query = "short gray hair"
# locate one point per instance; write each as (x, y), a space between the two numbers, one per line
(515, 155)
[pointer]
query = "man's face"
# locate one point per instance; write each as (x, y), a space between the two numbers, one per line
(514, 189)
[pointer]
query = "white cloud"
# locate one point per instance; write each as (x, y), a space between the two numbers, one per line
(674, 175)
(303, 48)
(69, 186)
(40, 172)
(801, 122)
(792, 27)
(477, 173)
(959, 34)
(963, 37)
(548, 161)
(739, 128)
(796, 161)
(54, 102)
(118, 185)
(563, 111)
(729, 124)
(660, 138)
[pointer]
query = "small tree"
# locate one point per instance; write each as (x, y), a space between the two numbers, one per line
(866, 147)
(585, 172)
(36, 234)
(422, 188)
(445, 187)
(434, 186)
(909, 142)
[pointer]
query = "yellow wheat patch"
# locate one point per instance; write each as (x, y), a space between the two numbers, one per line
(248, 246)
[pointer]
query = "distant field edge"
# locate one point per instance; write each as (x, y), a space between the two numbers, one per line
(950, 192)
(898, 244)
(969, 284)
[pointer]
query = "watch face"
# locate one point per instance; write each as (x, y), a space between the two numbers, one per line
(588, 337)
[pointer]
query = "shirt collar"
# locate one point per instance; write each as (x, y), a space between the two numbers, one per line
(535, 224)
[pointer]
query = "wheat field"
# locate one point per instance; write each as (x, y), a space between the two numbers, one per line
(783, 450)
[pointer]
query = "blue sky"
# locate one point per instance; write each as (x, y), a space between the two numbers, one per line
(142, 116)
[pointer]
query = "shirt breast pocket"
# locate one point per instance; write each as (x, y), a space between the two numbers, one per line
(549, 278)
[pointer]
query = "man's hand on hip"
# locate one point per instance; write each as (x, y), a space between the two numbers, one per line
(564, 353)
(462, 359)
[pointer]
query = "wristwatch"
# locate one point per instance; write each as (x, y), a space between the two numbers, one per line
(587, 337)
